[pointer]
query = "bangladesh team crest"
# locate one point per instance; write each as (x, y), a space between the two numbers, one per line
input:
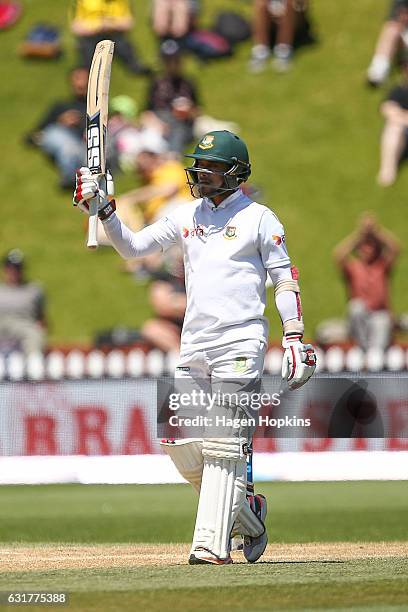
(207, 142)
(230, 232)
(240, 364)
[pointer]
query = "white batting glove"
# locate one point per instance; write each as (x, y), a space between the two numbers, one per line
(299, 361)
(87, 187)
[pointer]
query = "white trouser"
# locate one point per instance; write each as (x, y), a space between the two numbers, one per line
(223, 361)
(370, 328)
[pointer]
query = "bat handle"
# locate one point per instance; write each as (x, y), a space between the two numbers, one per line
(250, 475)
(93, 224)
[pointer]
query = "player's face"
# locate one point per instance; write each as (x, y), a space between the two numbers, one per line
(211, 180)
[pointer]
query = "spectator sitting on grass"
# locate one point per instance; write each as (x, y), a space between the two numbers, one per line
(282, 23)
(394, 136)
(96, 20)
(129, 133)
(388, 43)
(167, 294)
(164, 187)
(164, 184)
(60, 133)
(173, 18)
(22, 308)
(173, 98)
(366, 259)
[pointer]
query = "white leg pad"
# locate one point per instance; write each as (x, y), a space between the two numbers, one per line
(223, 491)
(247, 523)
(188, 458)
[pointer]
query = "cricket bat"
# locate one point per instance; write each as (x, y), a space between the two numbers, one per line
(96, 126)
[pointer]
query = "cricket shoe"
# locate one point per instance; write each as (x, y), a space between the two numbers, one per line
(205, 557)
(255, 547)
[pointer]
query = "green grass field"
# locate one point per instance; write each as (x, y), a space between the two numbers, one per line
(333, 546)
(313, 136)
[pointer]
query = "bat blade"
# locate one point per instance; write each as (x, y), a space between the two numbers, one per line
(96, 123)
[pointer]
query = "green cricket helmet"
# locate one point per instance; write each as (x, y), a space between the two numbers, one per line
(219, 146)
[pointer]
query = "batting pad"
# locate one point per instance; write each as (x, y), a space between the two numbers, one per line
(188, 458)
(247, 523)
(223, 491)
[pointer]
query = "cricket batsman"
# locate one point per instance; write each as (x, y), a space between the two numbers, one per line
(230, 244)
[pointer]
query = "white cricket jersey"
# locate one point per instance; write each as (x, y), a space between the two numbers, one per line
(227, 250)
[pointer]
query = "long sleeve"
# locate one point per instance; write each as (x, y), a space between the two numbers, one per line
(276, 261)
(156, 237)
(287, 302)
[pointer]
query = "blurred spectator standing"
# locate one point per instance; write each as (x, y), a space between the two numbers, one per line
(389, 41)
(174, 18)
(167, 296)
(282, 24)
(366, 259)
(173, 98)
(60, 133)
(395, 132)
(22, 308)
(95, 20)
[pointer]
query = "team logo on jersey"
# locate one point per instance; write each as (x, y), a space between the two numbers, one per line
(240, 365)
(198, 230)
(230, 232)
(207, 142)
(278, 239)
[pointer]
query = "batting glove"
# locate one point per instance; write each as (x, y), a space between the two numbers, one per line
(87, 188)
(299, 361)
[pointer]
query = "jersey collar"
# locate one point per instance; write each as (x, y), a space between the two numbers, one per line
(227, 202)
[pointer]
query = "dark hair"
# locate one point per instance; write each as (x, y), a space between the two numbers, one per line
(372, 240)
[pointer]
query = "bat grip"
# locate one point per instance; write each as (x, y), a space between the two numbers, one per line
(93, 224)
(250, 475)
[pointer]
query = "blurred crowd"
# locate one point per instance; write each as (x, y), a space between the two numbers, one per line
(149, 142)
(391, 51)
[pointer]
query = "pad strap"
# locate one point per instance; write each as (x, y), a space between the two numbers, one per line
(225, 448)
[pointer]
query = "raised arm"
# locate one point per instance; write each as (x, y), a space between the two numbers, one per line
(390, 243)
(345, 248)
(368, 228)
